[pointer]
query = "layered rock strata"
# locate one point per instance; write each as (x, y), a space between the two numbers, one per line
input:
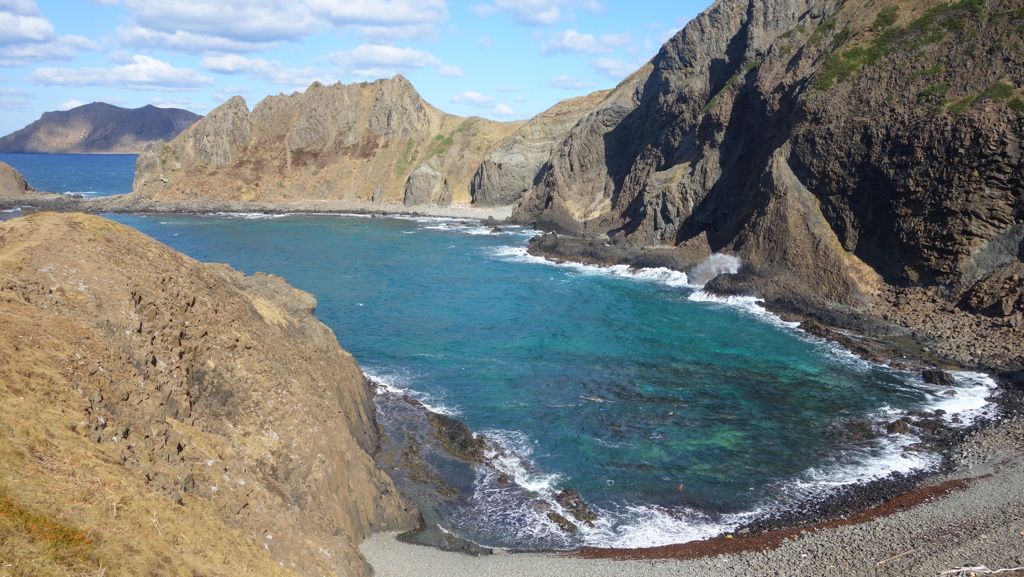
(834, 147)
(218, 390)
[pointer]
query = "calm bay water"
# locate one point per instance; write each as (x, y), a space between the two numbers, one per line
(674, 415)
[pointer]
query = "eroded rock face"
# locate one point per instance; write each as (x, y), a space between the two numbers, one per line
(367, 142)
(830, 146)
(220, 390)
(12, 183)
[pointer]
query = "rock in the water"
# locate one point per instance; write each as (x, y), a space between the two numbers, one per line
(457, 438)
(563, 523)
(573, 503)
(938, 377)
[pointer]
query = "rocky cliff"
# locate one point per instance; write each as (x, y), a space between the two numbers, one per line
(835, 147)
(371, 142)
(99, 128)
(183, 418)
(368, 142)
(12, 183)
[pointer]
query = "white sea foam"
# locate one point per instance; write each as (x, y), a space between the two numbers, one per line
(971, 398)
(248, 215)
(747, 304)
(663, 276)
(400, 385)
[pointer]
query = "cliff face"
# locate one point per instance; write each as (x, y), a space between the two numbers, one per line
(99, 128)
(371, 142)
(510, 170)
(160, 375)
(831, 146)
(12, 183)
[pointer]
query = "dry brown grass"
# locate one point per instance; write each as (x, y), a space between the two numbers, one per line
(67, 505)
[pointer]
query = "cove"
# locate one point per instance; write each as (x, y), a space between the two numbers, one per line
(674, 415)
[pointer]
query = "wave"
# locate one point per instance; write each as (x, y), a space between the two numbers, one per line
(399, 385)
(662, 276)
(249, 215)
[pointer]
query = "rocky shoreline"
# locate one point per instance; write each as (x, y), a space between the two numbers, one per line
(885, 334)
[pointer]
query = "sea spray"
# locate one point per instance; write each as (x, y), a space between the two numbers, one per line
(716, 264)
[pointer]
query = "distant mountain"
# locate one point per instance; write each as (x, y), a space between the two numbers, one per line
(99, 128)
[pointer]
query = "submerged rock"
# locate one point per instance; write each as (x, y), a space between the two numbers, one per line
(457, 438)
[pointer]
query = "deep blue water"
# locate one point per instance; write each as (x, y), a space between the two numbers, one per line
(85, 174)
(674, 416)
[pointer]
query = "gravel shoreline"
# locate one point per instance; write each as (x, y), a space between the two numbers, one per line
(978, 523)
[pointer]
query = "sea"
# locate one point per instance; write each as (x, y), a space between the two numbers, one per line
(676, 415)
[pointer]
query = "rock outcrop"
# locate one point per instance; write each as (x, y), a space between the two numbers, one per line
(12, 183)
(833, 147)
(369, 142)
(510, 170)
(153, 374)
(376, 142)
(99, 128)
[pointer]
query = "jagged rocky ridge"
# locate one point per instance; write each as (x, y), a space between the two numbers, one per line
(218, 390)
(836, 147)
(99, 128)
(368, 142)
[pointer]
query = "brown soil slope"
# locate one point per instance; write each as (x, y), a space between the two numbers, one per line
(167, 417)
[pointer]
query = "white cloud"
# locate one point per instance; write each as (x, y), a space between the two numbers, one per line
(485, 42)
(571, 41)
(502, 110)
(14, 99)
(267, 70)
(473, 99)
(534, 12)
(613, 68)
(569, 83)
(20, 7)
(63, 48)
(380, 61)
(142, 73)
(182, 41)
(242, 20)
(381, 13)
(178, 103)
(18, 28)
(219, 23)
(71, 104)
(450, 71)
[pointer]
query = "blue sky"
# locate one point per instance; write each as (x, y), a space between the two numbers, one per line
(500, 59)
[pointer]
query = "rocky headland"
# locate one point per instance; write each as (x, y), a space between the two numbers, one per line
(371, 143)
(163, 416)
(99, 128)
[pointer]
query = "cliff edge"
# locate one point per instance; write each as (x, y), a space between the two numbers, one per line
(182, 417)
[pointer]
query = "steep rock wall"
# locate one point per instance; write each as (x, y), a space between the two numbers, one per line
(831, 146)
(220, 391)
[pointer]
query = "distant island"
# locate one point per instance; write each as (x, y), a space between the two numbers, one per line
(99, 128)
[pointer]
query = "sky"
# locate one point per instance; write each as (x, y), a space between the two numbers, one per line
(499, 59)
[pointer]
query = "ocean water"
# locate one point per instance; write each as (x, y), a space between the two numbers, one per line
(676, 415)
(85, 174)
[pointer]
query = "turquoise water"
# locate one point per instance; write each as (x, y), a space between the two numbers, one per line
(85, 174)
(675, 416)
